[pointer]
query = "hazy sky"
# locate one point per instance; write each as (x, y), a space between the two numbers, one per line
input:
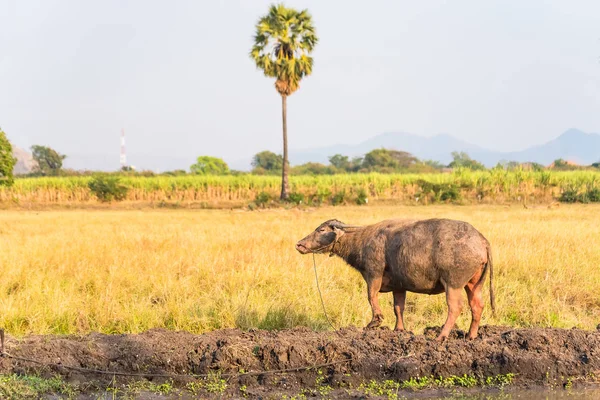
(176, 75)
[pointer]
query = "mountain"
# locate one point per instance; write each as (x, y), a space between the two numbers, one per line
(574, 145)
(25, 162)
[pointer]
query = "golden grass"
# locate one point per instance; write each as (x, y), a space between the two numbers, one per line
(128, 271)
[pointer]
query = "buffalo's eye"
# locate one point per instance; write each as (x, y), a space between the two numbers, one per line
(322, 230)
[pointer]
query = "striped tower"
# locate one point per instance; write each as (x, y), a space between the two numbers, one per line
(123, 155)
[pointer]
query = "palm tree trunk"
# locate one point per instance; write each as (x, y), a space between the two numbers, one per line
(285, 186)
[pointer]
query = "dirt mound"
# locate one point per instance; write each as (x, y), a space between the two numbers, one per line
(352, 355)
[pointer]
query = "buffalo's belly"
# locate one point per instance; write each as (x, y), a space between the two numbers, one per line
(390, 283)
(437, 289)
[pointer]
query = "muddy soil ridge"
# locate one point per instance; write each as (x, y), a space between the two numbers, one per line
(354, 355)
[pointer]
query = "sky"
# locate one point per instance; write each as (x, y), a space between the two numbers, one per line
(176, 76)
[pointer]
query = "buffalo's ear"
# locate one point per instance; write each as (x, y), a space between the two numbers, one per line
(338, 231)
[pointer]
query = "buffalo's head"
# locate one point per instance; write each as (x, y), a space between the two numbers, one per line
(323, 238)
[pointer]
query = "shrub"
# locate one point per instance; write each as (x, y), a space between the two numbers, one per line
(262, 199)
(569, 195)
(593, 195)
(339, 198)
(439, 191)
(108, 188)
(296, 198)
(449, 193)
(319, 197)
(361, 197)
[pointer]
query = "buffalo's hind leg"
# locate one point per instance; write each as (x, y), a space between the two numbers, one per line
(454, 300)
(399, 299)
(373, 287)
(475, 296)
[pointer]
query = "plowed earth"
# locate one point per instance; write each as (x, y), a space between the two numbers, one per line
(536, 356)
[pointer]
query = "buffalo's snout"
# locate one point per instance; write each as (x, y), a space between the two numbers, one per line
(302, 249)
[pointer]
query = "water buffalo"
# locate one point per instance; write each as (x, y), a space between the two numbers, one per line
(429, 256)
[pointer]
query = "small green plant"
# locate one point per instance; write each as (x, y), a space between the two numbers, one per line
(388, 388)
(321, 384)
(262, 199)
(215, 384)
(164, 388)
(419, 383)
(568, 384)
(137, 387)
(462, 381)
(194, 387)
(339, 198)
(212, 384)
(296, 198)
(17, 386)
(361, 197)
(300, 396)
(503, 380)
(108, 188)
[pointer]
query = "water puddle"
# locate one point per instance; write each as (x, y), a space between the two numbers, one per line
(592, 393)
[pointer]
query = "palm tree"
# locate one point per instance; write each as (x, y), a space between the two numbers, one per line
(283, 41)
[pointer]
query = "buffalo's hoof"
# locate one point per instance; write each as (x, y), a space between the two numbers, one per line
(375, 323)
(441, 338)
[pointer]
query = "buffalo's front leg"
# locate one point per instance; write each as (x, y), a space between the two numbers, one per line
(373, 287)
(399, 299)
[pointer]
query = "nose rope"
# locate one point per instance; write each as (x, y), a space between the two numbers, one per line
(313, 251)
(321, 295)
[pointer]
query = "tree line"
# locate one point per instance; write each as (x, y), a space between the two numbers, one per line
(378, 160)
(49, 162)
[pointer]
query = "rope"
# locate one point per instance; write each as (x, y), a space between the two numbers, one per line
(321, 295)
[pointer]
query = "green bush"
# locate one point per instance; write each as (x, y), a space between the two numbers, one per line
(339, 198)
(108, 188)
(593, 195)
(319, 197)
(440, 191)
(449, 193)
(262, 199)
(361, 197)
(296, 198)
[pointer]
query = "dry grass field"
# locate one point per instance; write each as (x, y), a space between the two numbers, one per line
(199, 270)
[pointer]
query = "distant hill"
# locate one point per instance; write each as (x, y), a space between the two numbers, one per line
(574, 145)
(25, 162)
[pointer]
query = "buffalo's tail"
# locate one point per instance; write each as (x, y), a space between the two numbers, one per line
(490, 265)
